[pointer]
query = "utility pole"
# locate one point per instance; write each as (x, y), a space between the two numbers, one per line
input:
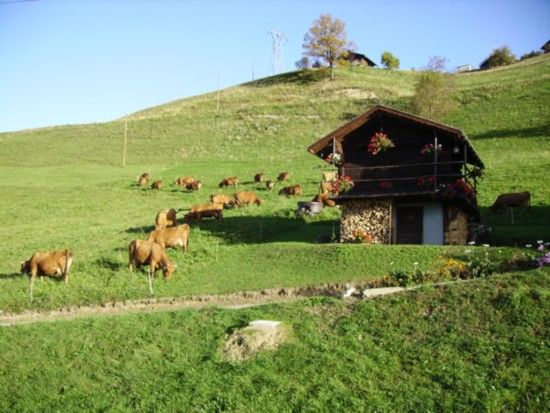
(218, 98)
(125, 142)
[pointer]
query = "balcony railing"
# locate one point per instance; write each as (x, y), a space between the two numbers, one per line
(449, 178)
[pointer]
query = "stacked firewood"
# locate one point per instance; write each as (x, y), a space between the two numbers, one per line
(372, 217)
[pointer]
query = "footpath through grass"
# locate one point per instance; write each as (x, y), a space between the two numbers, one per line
(475, 346)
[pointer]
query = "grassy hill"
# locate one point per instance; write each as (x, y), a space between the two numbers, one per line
(65, 186)
(480, 345)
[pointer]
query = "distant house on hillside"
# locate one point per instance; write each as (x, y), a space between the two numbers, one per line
(464, 68)
(485, 64)
(359, 59)
(420, 191)
(546, 47)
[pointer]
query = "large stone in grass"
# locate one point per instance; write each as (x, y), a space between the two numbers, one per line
(259, 335)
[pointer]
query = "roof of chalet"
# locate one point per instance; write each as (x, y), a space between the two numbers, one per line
(345, 130)
(351, 56)
(545, 47)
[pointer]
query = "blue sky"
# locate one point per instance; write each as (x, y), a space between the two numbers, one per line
(67, 62)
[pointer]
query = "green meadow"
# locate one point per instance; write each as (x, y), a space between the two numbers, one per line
(474, 346)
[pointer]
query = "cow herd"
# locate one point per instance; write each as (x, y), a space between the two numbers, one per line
(168, 233)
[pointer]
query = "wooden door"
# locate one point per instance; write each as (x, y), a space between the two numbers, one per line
(409, 225)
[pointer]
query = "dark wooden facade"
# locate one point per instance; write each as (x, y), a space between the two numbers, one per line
(358, 58)
(403, 174)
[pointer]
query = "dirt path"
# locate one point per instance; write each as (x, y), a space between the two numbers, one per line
(228, 301)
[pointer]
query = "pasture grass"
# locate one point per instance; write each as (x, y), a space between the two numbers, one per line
(475, 346)
(64, 187)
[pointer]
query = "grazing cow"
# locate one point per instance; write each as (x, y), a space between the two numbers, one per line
(247, 198)
(291, 190)
(55, 264)
(259, 177)
(171, 237)
(184, 180)
(511, 200)
(149, 253)
(327, 187)
(283, 176)
(197, 212)
(157, 185)
(193, 186)
(269, 185)
(227, 200)
(230, 181)
(329, 176)
(166, 218)
(143, 179)
(324, 199)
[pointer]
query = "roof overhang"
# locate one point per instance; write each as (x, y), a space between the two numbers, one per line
(345, 130)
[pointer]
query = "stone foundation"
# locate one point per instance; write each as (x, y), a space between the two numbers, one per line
(456, 228)
(373, 217)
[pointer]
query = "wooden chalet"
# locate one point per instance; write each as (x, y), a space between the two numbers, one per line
(359, 59)
(420, 191)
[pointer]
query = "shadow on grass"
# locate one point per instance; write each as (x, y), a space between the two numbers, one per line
(259, 230)
(146, 229)
(302, 77)
(110, 264)
(517, 226)
(521, 133)
(11, 275)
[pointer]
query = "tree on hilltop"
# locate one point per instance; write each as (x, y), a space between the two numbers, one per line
(389, 60)
(498, 57)
(327, 40)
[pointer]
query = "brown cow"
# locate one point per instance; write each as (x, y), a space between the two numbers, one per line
(227, 200)
(157, 185)
(198, 212)
(259, 177)
(512, 200)
(230, 181)
(55, 264)
(329, 176)
(149, 253)
(184, 180)
(166, 218)
(193, 186)
(247, 198)
(269, 185)
(283, 176)
(143, 179)
(324, 199)
(171, 237)
(291, 190)
(327, 187)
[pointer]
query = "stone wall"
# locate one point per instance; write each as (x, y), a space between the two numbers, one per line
(373, 217)
(456, 226)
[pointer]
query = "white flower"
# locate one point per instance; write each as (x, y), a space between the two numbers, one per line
(467, 251)
(540, 241)
(472, 243)
(528, 245)
(486, 245)
(415, 264)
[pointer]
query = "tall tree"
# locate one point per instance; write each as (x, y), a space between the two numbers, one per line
(434, 91)
(389, 60)
(327, 40)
